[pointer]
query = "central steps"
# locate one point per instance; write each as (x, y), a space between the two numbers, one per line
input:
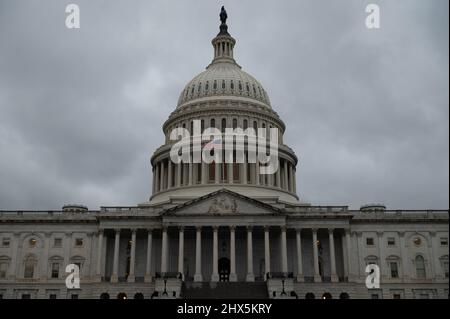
(224, 290)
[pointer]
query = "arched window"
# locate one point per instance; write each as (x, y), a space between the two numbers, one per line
(122, 295)
(224, 125)
(215, 85)
(30, 264)
(235, 123)
(223, 84)
(420, 266)
(104, 295)
(310, 295)
(245, 124)
(232, 85)
(344, 295)
(327, 295)
(207, 86)
(444, 265)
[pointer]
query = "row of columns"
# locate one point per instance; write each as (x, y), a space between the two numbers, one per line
(215, 274)
(183, 174)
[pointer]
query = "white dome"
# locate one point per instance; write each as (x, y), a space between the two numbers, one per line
(223, 79)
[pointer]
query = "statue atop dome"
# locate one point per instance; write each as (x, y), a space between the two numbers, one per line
(223, 15)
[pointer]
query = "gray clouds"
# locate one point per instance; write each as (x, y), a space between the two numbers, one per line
(81, 111)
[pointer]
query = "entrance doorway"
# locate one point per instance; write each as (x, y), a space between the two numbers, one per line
(224, 269)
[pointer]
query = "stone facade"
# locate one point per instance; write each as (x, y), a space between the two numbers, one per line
(224, 223)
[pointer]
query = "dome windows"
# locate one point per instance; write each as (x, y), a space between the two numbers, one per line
(240, 86)
(207, 86)
(215, 85)
(232, 85)
(223, 84)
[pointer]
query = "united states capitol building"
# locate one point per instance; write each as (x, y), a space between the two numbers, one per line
(223, 230)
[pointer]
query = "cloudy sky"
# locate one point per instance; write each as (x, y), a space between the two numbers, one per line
(366, 110)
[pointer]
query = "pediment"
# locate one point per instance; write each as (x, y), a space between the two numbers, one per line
(222, 203)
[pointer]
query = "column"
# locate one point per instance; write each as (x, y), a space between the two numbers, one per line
(348, 260)
(244, 170)
(233, 276)
(250, 275)
(284, 267)
(15, 252)
(156, 177)
(115, 273)
(217, 171)
(162, 179)
(404, 255)
(381, 255)
(334, 277)
(178, 179)
(154, 180)
(131, 275)
(291, 180)
(434, 261)
(198, 255)
(294, 178)
(317, 277)
(215, 273)
(278, 174)
(191, 173)
(181, 252)
(164, 251)
(148, 265)
(204, 177)
(99, 255)
(44, 270)
(298, 238)
(266, 251)
(256, 168)
(230, 173)
(169, 173)
(286, 180)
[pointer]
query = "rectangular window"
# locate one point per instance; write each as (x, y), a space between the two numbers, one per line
(375, 296)
(26, 296)
(5, 241)
(57, 242)
(397, 296)
(444, 241)
(394, 270)
(55, 270)
(79, 242)
(445, 264)
(74, 296)
(3, 269)
(1, 296)
(424, 295)
(391, 241)
(52, 296)
(369, 241)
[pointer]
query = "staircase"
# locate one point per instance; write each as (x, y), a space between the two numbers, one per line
(224, 290)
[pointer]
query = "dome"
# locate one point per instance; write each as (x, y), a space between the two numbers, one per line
(223, 78)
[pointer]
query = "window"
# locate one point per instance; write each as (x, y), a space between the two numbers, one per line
(32, 242)
(74, 296)
(391, 241)
(397, 296)
(215, 85)
(444, 241)
(369, 241)
(224, 125)
(5, 242)
(232, 85)
(213, 123)
(424, 295)
(26, 296)
(3, 270)
(375, 296)
(79, 242)
(223, 84)
(30, 262)
(394, 269)
(207, 86)
(55, 270)
(57, 242)
(52, 296)
(417, 241)
(445, 267)
(235, 123)
(420, 267)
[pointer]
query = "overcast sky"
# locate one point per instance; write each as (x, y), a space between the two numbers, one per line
(366, 111)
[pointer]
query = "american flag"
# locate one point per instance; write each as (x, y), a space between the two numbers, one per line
(212, 144)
